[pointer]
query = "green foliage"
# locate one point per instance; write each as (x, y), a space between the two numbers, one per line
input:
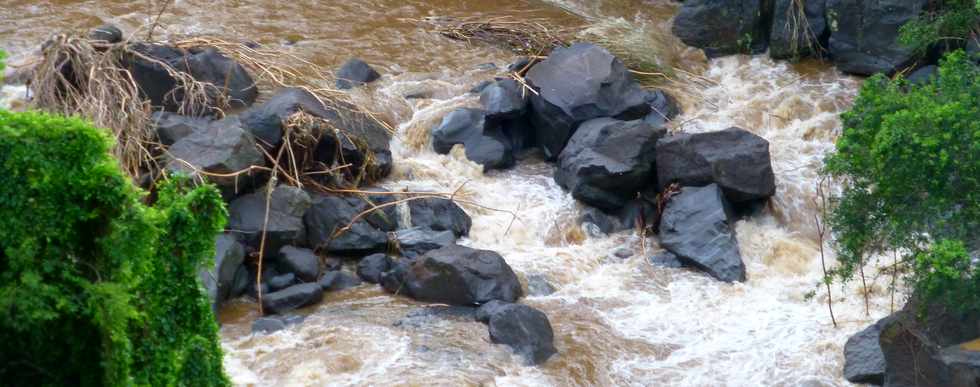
(953, 20)
(3, 65)
(95, 287)
(910, 158)
(945, 273)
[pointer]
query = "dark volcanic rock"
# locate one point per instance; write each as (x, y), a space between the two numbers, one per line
(663, 108)
(355, 72)
(538, 285)
(697, 226)
(636, 212)
(173, 127)
(302, 262)
(415, 241)
(228, 77)
(338, 280)
(607, 161)
(525, 329)
(265, 122)
(220, 280)
(864, 34)
(393, 280)
(723, 27)
(924, 75)
(484, 141)
(332, 213)
(372, 266)
(864, 363)
(246, 215)
(107, 33)
(504, 99)
(457, 275)
(735, 159)
(666, 259)
(281, 281)
(440, 215)
(293, 297)
(576, 84)
(222, 147)
(790, 38)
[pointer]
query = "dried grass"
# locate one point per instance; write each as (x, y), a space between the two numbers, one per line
(528, 37)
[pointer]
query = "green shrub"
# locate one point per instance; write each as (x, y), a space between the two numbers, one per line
(910, 158)
(945, 273)
(951, 21)
(95, 287)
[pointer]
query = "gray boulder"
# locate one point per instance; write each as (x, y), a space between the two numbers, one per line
(281, 281)
(697, 227)
(327, 218)
(371, 267)
(173, 127)
(456, 275)
(246, 216)
(220, 279)
(799, 29)
(293, 297)
(271, 324)
(538, 285)
(723, 27)
(607, 161)
(484, 141)
(106, 33)
(864, 363)
(525, 329)
(576, 84)
(665, 259)
(735, 159)
(338, 280)
(864, 34)
(221, 147)
(416, 241)
(299, 261)
(440, 215)
(355, 72)
(504, 99)
(663, 108)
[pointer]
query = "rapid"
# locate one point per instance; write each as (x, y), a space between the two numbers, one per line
(617, 321)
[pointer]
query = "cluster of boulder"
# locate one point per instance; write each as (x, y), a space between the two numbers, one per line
(608, 137)
(924, 344)
(859, 36)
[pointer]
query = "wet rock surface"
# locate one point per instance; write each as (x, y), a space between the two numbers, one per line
(697, 227)
(455, 275)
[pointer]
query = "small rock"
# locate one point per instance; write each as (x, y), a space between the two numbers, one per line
(293, 297)
(440, 215)
(173, 127)
(666, 259)
(330, 213)
(525, 329)
(504, 100)
(623, 253)
(332, 264)
(338, 280)
(484, 141)
(220, 147)
(302, 262)
(272, 324)
(281, 281)
(107, 33)
(455, 275)
(538, 286)
(247, 216)
(415, 241)
(355, 72)
(371, 267)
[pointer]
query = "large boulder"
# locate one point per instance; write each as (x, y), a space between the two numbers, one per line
(607, 161)
(504, 99)
(416, 241)
(173, 127)
(697, 226)
(864, 363)
(525, 329)
(227, 78)
(293, 297)
(220, 279)
(266, 121)
(864, 34)
(484, 141)
(355, 72)
(327, 221)
(371, 267)
(456, 275)
(576, 84)
(299, 261)
(735, 159)
(799, 29)
(440, 215)
(220, 148)
(247, 217)
(928, 344)
(723, 27)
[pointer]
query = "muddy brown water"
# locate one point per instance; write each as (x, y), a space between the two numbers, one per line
(617, 321)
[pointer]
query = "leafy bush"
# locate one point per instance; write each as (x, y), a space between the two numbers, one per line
(946, 273)
(910, 158)
(95, 287)
(951, 21)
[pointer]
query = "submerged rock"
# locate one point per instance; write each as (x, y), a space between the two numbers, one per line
(723, 27)
(220, 147)
(576, 84)
(665, 259)
(607, 161)
(354, 73)
(293, 297)
(736, 160)
(697, 227)
(864, 34)
(247, 214)
(538, 285)
(455, 275)
(525, 329)
(272, 324)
